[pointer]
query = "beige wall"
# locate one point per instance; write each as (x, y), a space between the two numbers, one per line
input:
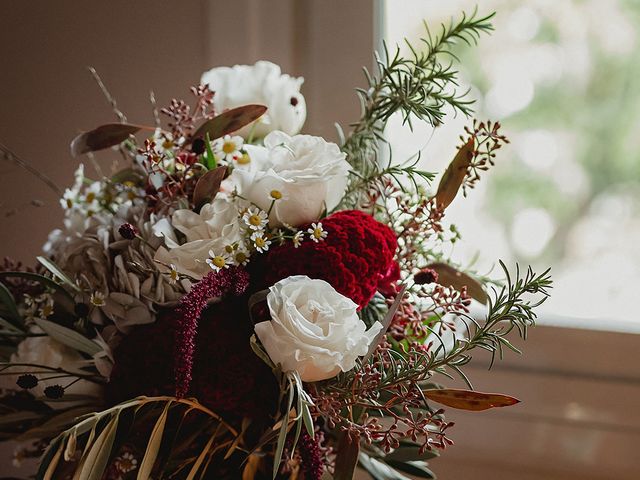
(48, 96)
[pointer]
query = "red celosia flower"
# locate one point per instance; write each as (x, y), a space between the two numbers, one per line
(214, 284)
(356, 258)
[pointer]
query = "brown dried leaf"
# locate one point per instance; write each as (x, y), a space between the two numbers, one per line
(208, 186)
(346, 458)
(450, 277)
(454, 175)
(102, 137)
(469, 399)
(251, 467)
(229, 121)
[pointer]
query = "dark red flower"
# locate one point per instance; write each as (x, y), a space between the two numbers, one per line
(227, 376)
(356, 258)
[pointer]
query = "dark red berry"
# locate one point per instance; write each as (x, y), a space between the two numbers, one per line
(128, 231)
(294, 101)
(198, 146)
(426, 276)
(54, 392)
(27, 381)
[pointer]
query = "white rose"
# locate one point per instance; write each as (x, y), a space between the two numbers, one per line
(216, 226)
(264, 84)
(313, 330)
(308, 171)
(50, 353)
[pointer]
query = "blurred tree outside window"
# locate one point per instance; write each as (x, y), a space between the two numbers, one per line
(562, 78)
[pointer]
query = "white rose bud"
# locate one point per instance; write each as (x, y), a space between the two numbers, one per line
(264, 84)
(313, 330)
(310, 173)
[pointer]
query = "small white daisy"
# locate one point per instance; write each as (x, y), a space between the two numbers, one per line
(260, 242)
(173, 275)
(228, 148)
(241, 255)
(218, 262)
(126, 463)
(98, 299)
(255, 219)
(277, 195)
(316, 232)
(297, 238)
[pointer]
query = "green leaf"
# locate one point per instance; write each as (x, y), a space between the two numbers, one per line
(417, 469)
(68, 337)
(53, 268)
(6, 299)
(97, 458)
(210, 156)
(409, 452)
(282, 436)
(155, 440)
(346, 458)
(47, 282)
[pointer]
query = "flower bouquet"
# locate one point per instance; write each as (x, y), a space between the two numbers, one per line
(238, 300)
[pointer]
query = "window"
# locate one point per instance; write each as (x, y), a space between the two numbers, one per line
(561, 78)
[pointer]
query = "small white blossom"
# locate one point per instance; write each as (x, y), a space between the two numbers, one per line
(173, 275)
(260, 242)
(98, 299)
(316, 232)
(228, 148)
(241, 255)
(255, 219)
(126, 463)
(297, 238)
(219, 262)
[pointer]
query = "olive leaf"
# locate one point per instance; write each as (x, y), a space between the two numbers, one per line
(454, 175)
(104, 136)
(96, 460)
(53, 268)
(448, 276)
(346, 458)
(229, 121)
(208, 186)
(469, 399)
(153, 446)
(68, 337)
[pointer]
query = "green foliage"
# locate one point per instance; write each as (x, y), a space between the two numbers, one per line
(418, 86)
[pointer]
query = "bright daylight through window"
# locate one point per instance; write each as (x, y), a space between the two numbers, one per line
(560, 76)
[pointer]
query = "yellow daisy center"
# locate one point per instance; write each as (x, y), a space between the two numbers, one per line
(276, 194)
(174, 275)
(91, 197)
(260, 242)
(218, 261)
(47, 310)
(229, 147)
(241, 257)
(229, 248)
(317, 232)
(255, 220)
(69, 203)
(167, 144)
(244, 159)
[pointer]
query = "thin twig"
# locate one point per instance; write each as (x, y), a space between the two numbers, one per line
(8, 155)
(154, 105)
(108, 96)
